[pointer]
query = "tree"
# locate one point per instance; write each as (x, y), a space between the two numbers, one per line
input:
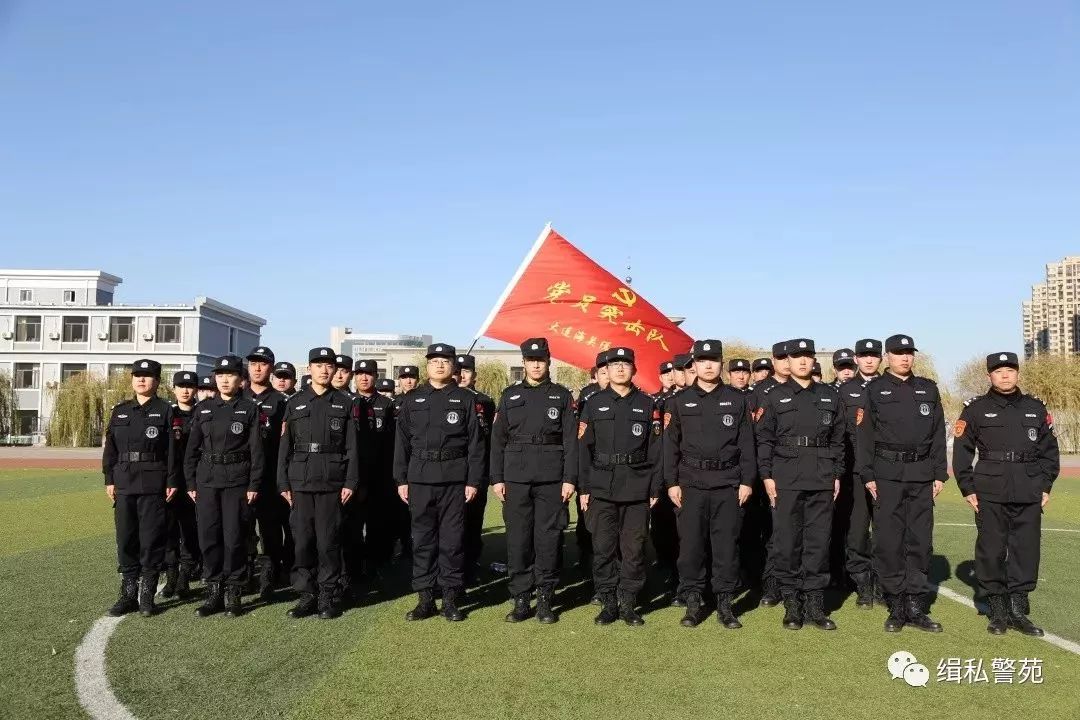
(492, 378)
(81, 406)
(970, 378)
(9, 405)
(574, 378)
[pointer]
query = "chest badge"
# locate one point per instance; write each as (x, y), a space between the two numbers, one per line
(1033, 434)
(553, 413)
(452, 417)
(728, 420)
(826, 417)
(335, 423)
(924, 409)
(378, 423)
(638, 429)
(236, 428)
(152, 432)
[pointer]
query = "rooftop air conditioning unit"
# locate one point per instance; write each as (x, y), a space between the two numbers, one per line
(54, 336)
(148, 336)
(103, 336)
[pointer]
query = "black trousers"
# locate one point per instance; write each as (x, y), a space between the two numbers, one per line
(581, 532)
(316, 526)
(802, 526)
(754, 537)
(903, 535)
(474, 528)
(224, 518)
(619, 533)
(352, 538)
(438, 535)
(664, 532)
(271, 513)
(1007, 546)
(140, 534)
(380, 522)
(851, 548)
(709, 522)
(535, 517)
(182, 532)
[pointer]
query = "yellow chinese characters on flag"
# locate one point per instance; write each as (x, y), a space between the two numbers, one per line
(560, 293)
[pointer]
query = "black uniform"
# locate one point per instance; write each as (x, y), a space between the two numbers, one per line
(318, 458)
(474, 511)
(756, 551)
(581, 528)
(854, 505)
(663, 528)
(1018, 462)
(376, 435)
(534, 451)
(182, 535)
(708, 453)
(620, 471)
(271, 512)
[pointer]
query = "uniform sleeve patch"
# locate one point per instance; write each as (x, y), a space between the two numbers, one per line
(961, 426)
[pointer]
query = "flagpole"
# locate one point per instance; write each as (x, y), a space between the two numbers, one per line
(513, 281)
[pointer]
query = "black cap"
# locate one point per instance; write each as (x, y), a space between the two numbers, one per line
(321, 354)
(285, 369)
(1005, 359)
(843, 357)
(666, 367)
(229, 364)
(868, 346)
(369, 367)
(408, 371)
(536, 348)
(621, 354)
(185, 378)
(261, 353)
(763, 364)
(384, 385)
(601, 359)
(707, 350)
(207, 383)
(780, 350)
(738, 364)
(147, 367)
(305, 380)
(466, 362)
(816, 370)
(898, 343)
(343, 362)
(800, 346)
(441, 350)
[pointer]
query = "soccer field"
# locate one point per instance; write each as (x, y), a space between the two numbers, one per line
(57, 577)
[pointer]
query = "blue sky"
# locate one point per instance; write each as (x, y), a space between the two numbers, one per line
(832, 170)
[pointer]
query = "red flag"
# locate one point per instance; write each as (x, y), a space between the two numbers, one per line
(560, 293)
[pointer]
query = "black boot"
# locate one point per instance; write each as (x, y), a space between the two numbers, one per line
(770, 593)
(916, 618)
(172, 576)
(266, 579)
(864, 590)
(792, 611)
(875, 583)
(425, 607)
(724, 614)
(307, 606)
(147, 588)
(232, 601)
(609, 611)
(896, 620)
(1018, 618)
(328, 604)
(627, 612)
(183, 581)
(214, 600)
(695, 610)
(521, 609)
(544, 613)
(128, 600)
(998, 615)
(450, 609)
(815, 611)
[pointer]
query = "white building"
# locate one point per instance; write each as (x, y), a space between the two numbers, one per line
(55, 323)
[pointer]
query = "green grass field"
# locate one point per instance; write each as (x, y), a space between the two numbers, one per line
(57, 576)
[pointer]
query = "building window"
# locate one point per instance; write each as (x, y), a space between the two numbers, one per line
(27, 328)
(167, 330)
(122, 329)
(167, 372)
(67, 370)
(26, 422)
(232, 340)
(77, 329)
(117, 370)
(69, 297)
(26, 296)
(517, 373)
(27, 376)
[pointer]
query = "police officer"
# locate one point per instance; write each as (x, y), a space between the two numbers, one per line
(709, 471)
(620, 479)
(385, 387)
(140, 478)
(678, 373)
(271, 512)
(581, 529)
(900, 458)
(854, 506)
(599, 377)
(408, 377)
(376, 434)
(284, 379)
(739, 375)
(182, 555)
(1018, 463)
(688, 368)
(667, 378)
(207, 388)
(474, 511)
(800, 440)
(534, 473)
(225, 456)
(843, 362)
(343, 367)
(318, 473)
(762, 369)
(815, 371)
(439, 465)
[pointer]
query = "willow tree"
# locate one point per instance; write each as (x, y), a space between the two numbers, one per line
(81, 406)
(492, 378)
(573, 378)
(9, 405)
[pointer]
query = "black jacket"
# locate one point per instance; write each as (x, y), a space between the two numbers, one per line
(225, 448)
(619, 447)
(533, 439)
(439, 440)
(708, 440)
(800, 436)
(319, 446)
(139, 455)
(901, 417)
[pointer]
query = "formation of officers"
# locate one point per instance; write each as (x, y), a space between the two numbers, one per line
(772, 481)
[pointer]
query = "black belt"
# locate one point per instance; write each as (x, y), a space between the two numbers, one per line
(634, 458)
(140, 457)
(316, 448)
(227, 458)
(802, 441)
(708, 463)
(1013, 456)
(545, 439)
(908, 454)
(438, 455)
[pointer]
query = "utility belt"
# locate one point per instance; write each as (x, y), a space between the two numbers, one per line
(544, 439)
(602, 461)
(141, 457)
(1012, 456)
(438, 455)
(318, 448)
(802, 441)
(227, 458)
(900, 453)
(708, 463)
